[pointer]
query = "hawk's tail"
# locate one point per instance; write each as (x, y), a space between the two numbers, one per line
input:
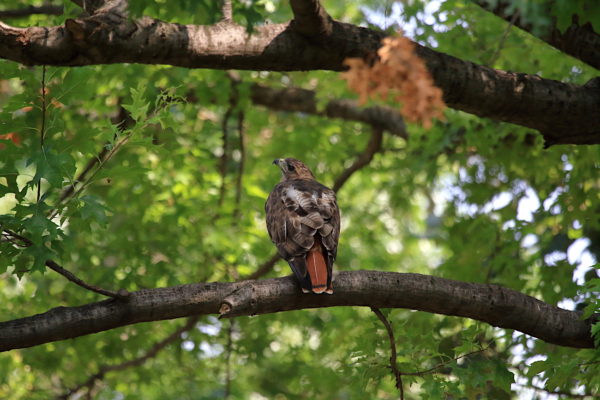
(317, 268)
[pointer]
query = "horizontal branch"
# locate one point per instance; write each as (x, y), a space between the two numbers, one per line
(563, 113)
(493, 304)
(305, 101)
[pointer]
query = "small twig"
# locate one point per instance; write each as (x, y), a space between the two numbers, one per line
(43, 127)
(496, 54)
(69, 190)
(110, 153)
(122, 294)
(373, 147)
(443, 364)
(558, 392)
(226, 11)
(152, 352)
(10, 235)
(223, 159)
(123, 121)
(264, 267)
(228, 360)
(393, 360)
(240, 175)
(588, 363)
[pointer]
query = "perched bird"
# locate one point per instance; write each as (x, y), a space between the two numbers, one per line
(303, 220)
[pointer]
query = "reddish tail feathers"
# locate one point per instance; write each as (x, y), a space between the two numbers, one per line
(317, 268)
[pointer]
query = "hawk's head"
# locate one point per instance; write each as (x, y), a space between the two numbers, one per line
(293, 169)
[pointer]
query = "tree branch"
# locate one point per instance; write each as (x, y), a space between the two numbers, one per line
(558, 393)
(152, 352)
(122, 294)
(9, 235)
(224, 156)
(226, 11)
(563, 113)
(123, 121)
(373, 147)
(240, 173)
(118, 8)
(265, 267)
(303, 100)
(444, 363)
(393, 359)
(579, 41)
(228, 350)
(498, 306)
(47, 9)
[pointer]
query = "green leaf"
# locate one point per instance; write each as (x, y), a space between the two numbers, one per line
(93, 209)
(51, 166)
(537, 367)
(139, 106)
(40, 254)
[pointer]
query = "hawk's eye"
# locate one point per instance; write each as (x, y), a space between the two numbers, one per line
(291, 168)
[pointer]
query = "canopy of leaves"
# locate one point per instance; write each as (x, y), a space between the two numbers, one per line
(181, 167)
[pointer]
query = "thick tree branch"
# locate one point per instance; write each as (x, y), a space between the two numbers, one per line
(564, 113)
(493, 304)
(579, 41)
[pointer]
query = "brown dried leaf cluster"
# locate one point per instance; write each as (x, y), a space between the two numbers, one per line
(400, 73)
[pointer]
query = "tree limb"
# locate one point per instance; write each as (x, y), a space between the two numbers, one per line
(393, 358)
(15, 238)
(122, 294)
(226, 11)
(563, 113)
(303, 100)
(373, 147)
(498, 306)
(47, 9)
(579, 41)
(152, 352)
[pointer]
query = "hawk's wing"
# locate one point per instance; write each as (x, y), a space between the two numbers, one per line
(298, 211)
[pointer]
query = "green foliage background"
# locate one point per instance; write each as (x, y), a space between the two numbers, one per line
(451, 201)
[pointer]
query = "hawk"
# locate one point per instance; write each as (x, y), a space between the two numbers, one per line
(303, 220)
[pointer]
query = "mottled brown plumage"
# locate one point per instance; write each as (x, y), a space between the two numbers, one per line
(303, 220)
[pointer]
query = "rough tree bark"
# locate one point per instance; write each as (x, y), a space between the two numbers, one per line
(563, 113)
(493, 304)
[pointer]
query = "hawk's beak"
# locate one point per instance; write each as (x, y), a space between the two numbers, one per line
(280, 162)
